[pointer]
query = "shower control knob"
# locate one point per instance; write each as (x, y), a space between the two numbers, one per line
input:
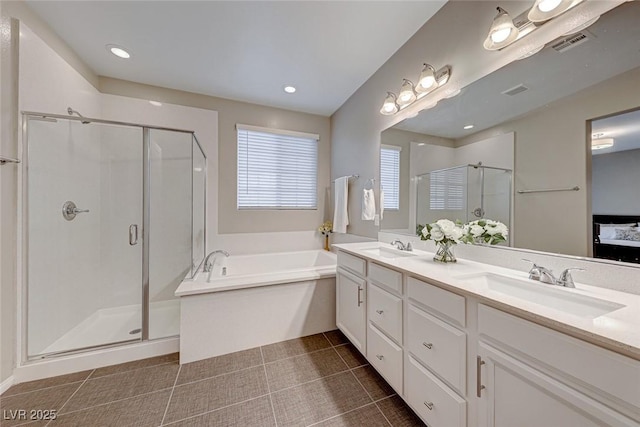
(70, 210)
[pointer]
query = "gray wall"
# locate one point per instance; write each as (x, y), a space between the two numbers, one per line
(615, 183)
(230, 220)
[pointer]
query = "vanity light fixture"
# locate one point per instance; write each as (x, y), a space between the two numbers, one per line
(602, 143)
(504, 30)
(118, 51)
(430, 80)
(390, 106)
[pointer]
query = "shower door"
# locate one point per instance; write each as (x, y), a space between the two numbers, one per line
(83, 207)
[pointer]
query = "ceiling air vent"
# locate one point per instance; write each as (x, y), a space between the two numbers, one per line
(572, 41)
(515, 90)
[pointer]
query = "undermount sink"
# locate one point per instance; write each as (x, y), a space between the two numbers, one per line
(388, 252)
(550, 296)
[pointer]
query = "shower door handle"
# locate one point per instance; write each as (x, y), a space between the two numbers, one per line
(133, 234)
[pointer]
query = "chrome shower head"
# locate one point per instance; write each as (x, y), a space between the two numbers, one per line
(71, 112)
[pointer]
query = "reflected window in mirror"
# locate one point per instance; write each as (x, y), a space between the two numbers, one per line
(390, 176)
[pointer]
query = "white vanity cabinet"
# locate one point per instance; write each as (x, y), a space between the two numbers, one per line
(459, 362)
(351, 312)
(530, 375)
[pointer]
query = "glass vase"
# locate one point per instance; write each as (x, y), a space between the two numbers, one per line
(444, 252)
(326, 242)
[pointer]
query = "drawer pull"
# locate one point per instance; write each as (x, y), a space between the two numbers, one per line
(429, 405)
(380, 312)
(428, 345)
(479, 386)
(359, 300)
(379, 356)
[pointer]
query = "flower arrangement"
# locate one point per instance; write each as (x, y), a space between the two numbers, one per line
(485, 231)
(446, 233)
(326, 229)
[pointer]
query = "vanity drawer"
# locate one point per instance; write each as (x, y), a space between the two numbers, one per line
(617, 375)
(386, 277)
(385, 356)
(446, 303)
(435, 403)
(439, 346)
(352, 263)
(385, 311)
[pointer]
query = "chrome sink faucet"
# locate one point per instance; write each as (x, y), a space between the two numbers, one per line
(208, 265)
(544, 275)
(401, 246)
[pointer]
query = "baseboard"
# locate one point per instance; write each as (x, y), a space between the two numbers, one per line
(6, 384)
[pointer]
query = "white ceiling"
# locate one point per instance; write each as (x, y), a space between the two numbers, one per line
(242, 50)
(549, 75)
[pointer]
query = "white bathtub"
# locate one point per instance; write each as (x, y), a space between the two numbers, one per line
(246, 271)
(262, 299)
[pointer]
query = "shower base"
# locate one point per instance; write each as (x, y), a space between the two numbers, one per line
(117, 324)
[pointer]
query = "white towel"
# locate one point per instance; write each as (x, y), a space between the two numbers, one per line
(368, 205)
(341, 197)
(381, 203)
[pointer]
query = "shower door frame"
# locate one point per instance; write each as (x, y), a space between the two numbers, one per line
(23, 266)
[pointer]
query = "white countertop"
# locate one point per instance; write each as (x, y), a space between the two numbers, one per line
(618, 330)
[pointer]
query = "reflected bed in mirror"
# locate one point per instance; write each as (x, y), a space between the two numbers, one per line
(536, 113)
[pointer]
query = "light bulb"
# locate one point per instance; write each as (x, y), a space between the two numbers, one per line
(389, 105)
(500, 35)
(407, 94)
(427, 78)
(548, 5)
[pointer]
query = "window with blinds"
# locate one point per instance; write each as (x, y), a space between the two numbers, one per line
(277, 169)
(447, 189)
(390, 176)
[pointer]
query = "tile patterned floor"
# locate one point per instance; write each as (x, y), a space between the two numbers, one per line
(319, 380)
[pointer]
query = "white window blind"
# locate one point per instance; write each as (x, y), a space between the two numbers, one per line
(390, 176)
(447, 189)
(277, 169)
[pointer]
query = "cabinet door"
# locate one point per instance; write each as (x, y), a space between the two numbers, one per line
(350, 308)
(516, 394)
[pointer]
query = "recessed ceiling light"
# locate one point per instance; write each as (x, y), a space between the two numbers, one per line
(289, 89)
(467, 127)
(155, 103)
(118, 51)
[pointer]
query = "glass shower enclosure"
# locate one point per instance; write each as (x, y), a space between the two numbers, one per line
(113, 221)
(464, 193)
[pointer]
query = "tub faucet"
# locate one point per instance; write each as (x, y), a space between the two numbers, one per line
(401, 246)
(208, 265)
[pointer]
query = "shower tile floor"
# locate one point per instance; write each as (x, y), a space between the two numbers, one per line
(319, 380)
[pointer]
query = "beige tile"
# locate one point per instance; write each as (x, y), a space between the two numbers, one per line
(256, 412)
(213, 393)
(352, 357)
(136, 364)
(375, 385)
(294, 347)
(369, 416)
(219, 365)
(318, 400)
(122, 386)
(398, 413)
(140, 411)
(336, 337)
(46, 382)
(300, 369)
(48, 399)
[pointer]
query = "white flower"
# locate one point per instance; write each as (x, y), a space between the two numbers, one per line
(425, 231)
(446, 225)
(476, 230)
(455, 234)
(436, 233)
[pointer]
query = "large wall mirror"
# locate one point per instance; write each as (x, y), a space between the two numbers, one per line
(516, 146)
